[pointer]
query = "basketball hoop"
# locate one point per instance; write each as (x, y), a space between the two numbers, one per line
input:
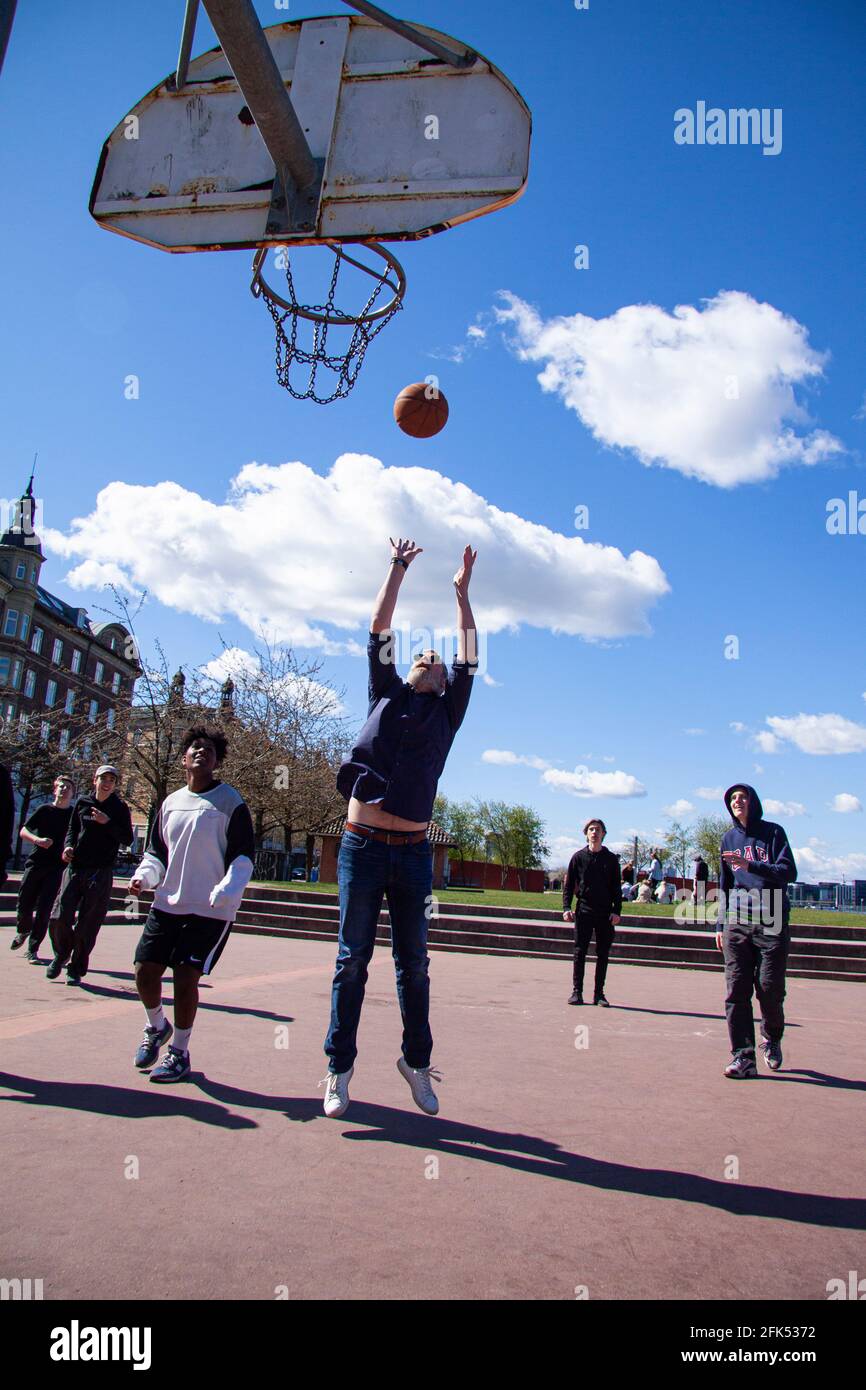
(365, 325)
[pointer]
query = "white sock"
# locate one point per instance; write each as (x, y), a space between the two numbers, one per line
(180, 1041)
(155, 1017)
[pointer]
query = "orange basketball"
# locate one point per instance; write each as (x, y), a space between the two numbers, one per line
(421, 410)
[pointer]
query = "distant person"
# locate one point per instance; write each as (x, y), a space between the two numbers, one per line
(628, 886)
(644, 893)
(99, 825)
(593, 879)
(756, 867)
(199, 858)
(389, 781)
(7, 820)
(700, 878)
(665, 892)
(46, 830)
(655, 874)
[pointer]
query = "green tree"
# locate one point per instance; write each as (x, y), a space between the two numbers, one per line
(459, 820)
(679, 846)
(529, 848)
(708, 832)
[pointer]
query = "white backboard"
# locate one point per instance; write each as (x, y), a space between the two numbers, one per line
(412, 146)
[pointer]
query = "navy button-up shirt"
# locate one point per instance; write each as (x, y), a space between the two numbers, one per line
(401, 750)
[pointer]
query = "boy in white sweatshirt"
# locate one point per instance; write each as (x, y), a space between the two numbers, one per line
(199, 859)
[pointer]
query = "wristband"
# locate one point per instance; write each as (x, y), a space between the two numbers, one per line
(396, 560)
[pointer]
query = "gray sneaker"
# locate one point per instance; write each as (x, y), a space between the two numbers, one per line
(419, 1079)
(175, 1066)
(18, 940)
(150, 1044)
(742, 1068)
(772, 1054)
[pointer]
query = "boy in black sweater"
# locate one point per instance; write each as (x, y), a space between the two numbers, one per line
(46, 830)
(594, 878)
(100, 824)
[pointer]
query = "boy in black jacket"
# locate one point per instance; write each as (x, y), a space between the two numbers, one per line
(757, 866)
(100, 824)
(594, 877)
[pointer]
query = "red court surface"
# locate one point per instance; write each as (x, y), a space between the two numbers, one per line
(551, 1170)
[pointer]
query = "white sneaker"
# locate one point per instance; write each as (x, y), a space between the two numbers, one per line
(337, 1092)
(419, 1080)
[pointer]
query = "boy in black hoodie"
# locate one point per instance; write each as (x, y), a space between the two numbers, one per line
(756, 867)
(99, 825)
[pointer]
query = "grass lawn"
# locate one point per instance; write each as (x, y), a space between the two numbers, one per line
(552, 902)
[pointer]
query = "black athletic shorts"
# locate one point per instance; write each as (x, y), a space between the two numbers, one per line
(181, 938)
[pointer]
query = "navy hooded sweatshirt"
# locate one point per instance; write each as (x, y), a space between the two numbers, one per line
(765, 845)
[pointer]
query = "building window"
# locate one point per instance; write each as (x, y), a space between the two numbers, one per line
(20, 570)
(10, 627)
(16, 675)
(115, 683)
(44, 731)
(93, 711)
(69, 703)
(64, 740)
(109, 718)
(5, 666)
(33, 575)
(88, 744)
(25, 627)
(76, 661)
(50, 693)
(8, 712)
(23, 721)
(57, 652)
(99, 672)
(30, 684)
(36, 644)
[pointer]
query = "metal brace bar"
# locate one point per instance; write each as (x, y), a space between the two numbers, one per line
(186, 40)
(408, 31)
(7, 15)
(249, 56)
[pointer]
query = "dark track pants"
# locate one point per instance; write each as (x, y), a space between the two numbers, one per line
(39, 885)
(755, 962)
(87, 892)
(585, 924)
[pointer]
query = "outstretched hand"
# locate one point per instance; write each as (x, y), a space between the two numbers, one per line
(464, 574)
(404, 550)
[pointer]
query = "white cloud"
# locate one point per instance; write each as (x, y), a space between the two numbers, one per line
(655, 383)
(488, 680)
(845, 803)
(813, 864)
(503, 757)
(236, 662)
(710, 793)
(562, 847)
(290, 551)
(476, 334)
(767, 742)
(783, 808)
(584, 783)
(817, 733)
(679, 808)
(737, 727)
(694, 733)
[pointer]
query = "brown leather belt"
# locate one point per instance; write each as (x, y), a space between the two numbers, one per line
(388, 837)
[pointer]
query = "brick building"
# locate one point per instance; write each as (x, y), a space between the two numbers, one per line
(53, 660)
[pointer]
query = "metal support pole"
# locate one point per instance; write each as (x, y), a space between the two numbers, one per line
(186, 39)
(249, 56)
(7, 15)
(408, 31)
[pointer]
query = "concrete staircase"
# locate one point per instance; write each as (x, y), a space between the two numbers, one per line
(817, 952)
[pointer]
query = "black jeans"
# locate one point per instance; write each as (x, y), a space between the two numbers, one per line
(87, 892)
(755, 962)
(585, 923)
(39, 885)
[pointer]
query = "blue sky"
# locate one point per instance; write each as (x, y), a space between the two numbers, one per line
(600, 663)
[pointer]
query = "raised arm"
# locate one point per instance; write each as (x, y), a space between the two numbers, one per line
(402, 555)
(467, 639)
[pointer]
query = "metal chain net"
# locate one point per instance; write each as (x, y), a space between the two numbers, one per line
(346, 365)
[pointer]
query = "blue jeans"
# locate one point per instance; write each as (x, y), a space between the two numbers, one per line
(367, 871)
